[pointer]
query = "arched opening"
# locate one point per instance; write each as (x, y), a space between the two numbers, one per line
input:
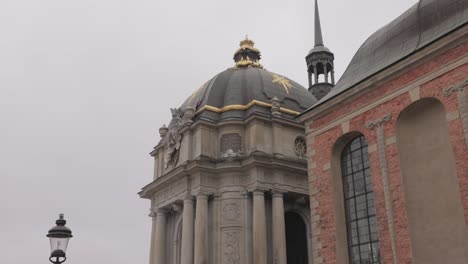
(296, 239)
(432, 197)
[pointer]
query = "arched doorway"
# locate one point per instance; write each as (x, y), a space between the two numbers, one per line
(296, 239)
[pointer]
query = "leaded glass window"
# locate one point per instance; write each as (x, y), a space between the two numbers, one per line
(361, 222)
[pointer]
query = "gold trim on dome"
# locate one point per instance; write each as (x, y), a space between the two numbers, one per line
(243, 108)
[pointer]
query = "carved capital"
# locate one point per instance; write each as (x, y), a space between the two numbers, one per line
(456, 88)
(176, 207)
(277, 193)
(152, 213)
(202, 195)
(379, 122)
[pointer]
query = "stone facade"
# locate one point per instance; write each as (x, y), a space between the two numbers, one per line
(220, 198)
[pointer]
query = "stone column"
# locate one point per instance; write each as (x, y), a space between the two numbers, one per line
(187, 232)
(332, 75)
(153, 236)
(159, 248)
(259, 228)
(279, 229)
(325, 72)
(315, 74)
(310, 78)
(201, 229)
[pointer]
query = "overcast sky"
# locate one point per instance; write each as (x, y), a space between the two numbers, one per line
(85, 85)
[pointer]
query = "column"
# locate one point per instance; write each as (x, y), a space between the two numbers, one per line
(325, 71)
(159, 248)
(315, 74)
(153, 236)
(187, 232)
(279, 229)
(259, 228)
(310, 78)
(332, 75)
(201, 229)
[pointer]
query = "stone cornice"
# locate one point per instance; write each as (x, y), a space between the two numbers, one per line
(386, 75)
(216, 166)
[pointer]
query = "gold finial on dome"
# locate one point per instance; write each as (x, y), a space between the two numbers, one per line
(247, 55)
(247, 42)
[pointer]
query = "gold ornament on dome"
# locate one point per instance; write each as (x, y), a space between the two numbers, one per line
(280, 80)
(246, 61)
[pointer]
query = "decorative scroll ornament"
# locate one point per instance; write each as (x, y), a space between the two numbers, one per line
(380, 121)
(456, 88)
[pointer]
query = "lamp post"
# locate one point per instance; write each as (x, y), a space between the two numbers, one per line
(59, 236)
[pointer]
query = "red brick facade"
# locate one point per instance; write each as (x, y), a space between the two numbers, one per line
(428, 77)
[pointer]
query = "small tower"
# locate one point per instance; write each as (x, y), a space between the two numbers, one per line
(320, 61)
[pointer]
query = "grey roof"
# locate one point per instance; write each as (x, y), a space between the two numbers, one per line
(422, 24)
(239, 86)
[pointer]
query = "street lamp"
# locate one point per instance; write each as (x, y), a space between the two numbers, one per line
(59, 236)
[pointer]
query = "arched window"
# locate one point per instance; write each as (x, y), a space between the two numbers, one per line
(361, 223)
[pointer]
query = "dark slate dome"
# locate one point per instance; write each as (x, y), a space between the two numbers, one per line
(246, 85)
(422, 24)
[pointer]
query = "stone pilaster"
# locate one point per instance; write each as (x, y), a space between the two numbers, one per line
(378, 125)
(231, 250)
(201, 230)
(159, 246)
(187, 231)
(462, 93)
(259, 228)
(279, 229)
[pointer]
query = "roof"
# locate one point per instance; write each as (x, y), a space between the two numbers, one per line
(419, 26)
(242, 86)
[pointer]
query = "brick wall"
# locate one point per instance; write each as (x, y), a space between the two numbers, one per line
(321, 145)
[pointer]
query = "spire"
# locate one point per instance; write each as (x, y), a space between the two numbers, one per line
(320, 62)
(318, 27)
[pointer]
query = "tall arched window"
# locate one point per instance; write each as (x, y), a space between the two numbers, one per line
(361, 223)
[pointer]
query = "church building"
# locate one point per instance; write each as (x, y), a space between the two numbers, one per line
(373, 168)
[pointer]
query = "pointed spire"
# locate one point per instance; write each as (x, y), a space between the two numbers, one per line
(318, 27)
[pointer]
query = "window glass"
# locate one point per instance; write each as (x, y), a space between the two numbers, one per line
(363, 243)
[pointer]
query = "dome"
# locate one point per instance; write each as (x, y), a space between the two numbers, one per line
(247, 85)
(419, 26)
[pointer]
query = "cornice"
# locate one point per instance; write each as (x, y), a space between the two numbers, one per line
(216, 166)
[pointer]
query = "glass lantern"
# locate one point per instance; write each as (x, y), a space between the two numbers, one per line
(59, 236)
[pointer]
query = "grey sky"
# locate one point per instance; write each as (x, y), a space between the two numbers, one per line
(85, 84)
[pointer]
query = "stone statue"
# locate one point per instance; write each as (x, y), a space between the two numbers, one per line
(173, 139)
